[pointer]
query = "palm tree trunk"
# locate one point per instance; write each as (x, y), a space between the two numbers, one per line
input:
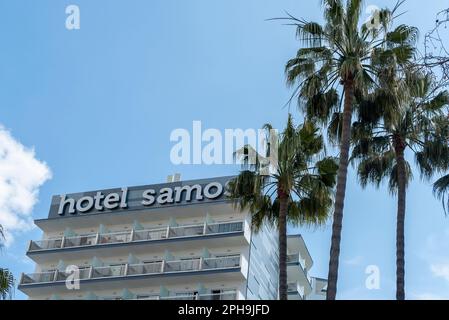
(341, 190)
(283, 207)
(400, 222)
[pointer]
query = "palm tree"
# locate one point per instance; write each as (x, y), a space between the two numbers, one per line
(6, 283)
(6, 278)
(297, 191)
(337, 55)
(387, 129)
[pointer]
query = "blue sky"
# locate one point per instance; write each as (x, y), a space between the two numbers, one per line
(98, 105)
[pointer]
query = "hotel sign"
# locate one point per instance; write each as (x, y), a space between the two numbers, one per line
(138, 198)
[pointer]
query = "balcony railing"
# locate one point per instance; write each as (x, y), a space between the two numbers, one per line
(136, 236)
(225, 295)
(295, 288)
(228, 295)
(296, 258)
(129, 270)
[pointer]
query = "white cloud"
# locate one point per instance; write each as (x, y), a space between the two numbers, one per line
(21, 175)
(355, 261)
(440, 271)
(434, 253)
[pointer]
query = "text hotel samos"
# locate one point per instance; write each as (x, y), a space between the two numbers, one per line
(136, 198)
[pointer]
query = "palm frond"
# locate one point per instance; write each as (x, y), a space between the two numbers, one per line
(302, 173)
(311, 33)
(334, 129)
(353, 12)
(403, 34)
(322, 105)
(441, 191)
(6, 284)
(373, 169)
(440, 101)
(393, 181)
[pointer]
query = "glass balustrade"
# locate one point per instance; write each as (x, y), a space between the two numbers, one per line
(293, 258)
(80, 241)
(83, 273)
(136, 235)
(180, 266)
(144, 235)
(296, 289)
(120, 270)
(296, 258)
(145, 268)
(108, 271)
(42, 277)
(222, 262)
(225, 295)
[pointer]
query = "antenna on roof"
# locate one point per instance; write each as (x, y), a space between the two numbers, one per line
(174, 177)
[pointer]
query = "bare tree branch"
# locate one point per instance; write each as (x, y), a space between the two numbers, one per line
(436, 50)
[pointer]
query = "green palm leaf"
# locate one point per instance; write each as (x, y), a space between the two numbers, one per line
(441, 191)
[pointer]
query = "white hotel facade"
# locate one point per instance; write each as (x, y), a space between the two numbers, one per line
(179, 240)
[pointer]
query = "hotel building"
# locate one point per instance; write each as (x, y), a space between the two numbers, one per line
(178, 240)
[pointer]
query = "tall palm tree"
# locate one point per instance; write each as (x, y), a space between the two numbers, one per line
(6, 278)
(441, 190)
(297, 191)
(387, 129)
(337, 56)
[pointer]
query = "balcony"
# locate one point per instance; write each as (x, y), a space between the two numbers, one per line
(295, 291)
(136, 236)
(297, 271)
(132, 270)
(226, 295)
(296, 259)
(319, 290)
